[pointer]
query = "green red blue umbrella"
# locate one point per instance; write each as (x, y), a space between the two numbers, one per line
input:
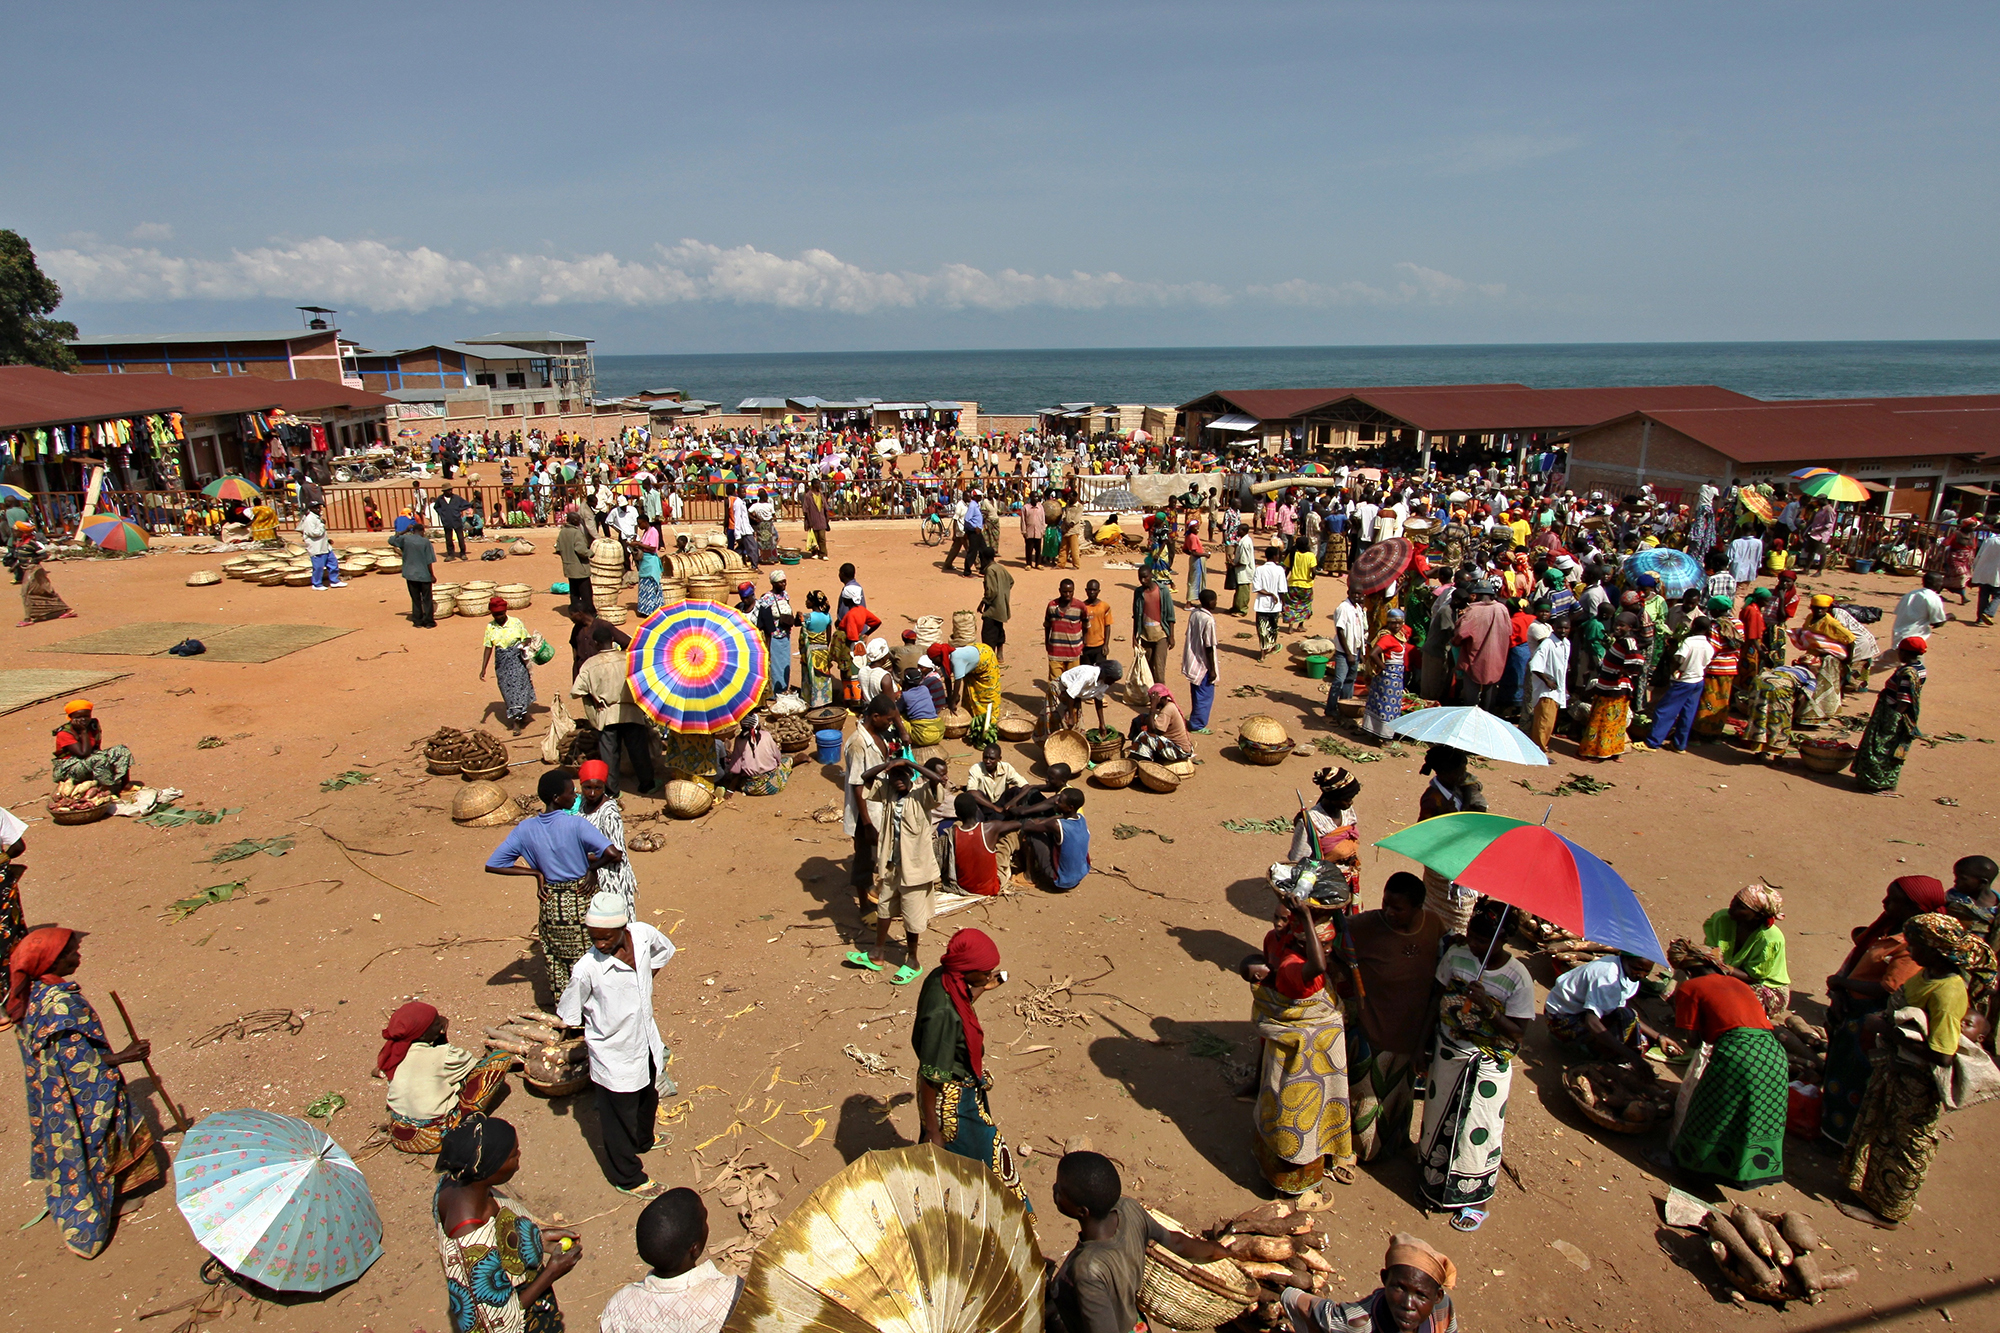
(1535, 869)
(698, 667)
(114, 533)
(232, 488)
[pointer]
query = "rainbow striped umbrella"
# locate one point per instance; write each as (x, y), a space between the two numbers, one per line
(113, 533)
(232, 488)
(9, 492)
(1805, 472)
(1834, 486)
(698, 667)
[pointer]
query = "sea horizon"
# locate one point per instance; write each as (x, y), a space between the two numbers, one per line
(1020, 380)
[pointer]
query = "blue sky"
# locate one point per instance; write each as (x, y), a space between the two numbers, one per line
(791, 176)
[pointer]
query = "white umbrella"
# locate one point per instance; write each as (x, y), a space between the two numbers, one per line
(1473, 730)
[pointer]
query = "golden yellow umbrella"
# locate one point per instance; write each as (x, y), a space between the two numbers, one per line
(912, 1240)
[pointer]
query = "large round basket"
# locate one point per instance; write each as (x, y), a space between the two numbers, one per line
(493, 774)
(1262, 729)
(1180, 1293)
(956, 723)
(829, 719)
(565, 1089)
(201, 578)
(477, 801)
(1014, 727)
(1115, 773)
(1157, 777)
(1256, 752)
(1181, 768)
(444, 767)
(1826, 756)
(102, 810)
(1351, 708)
(797, 744)
(1598, 1116)
(688, 800)
(1066, 747)
(1101, 750)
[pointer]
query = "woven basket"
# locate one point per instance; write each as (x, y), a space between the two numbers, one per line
(202, 578)
(445, 592)
(1255, 752)
(104, 810)
(484, 587)
(1115, 773)
(1351, 707)
(275, 578)
(299, 579)
(1014, 727)
(1826, 756)
(481, 799)
(1261, 729)
(1181, 768)
(1157, 777)
(828, 719)
(956, 723)
(688, 800)
(357, 569)
(493, 774)
(1601, 1118)
(566, 1089)
(1182, 1294)
(1066, 747)
(444, 767)
(1100, 751)
(611, 615)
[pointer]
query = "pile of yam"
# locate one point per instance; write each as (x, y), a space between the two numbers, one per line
(1805, 1048)
(1280, 1244)
(547, 1056)
(80, 794)
(1772, 1257)
(1624, 1094)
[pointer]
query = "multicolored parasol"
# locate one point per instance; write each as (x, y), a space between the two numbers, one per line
(1834, 486)
(11, 492)
(1677, 571)
(1756, 504)
(276, 1201)
(1380, 565)
(113, 533)
(1805, 472)
(1530, 867)
(232, 488)
(698, 667)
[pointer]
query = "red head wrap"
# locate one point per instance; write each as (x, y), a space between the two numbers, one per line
(970, 950)
(593, 770)
(31, 961)
(407, 1024)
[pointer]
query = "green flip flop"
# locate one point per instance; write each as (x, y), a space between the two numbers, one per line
(904, 975)
(856, 958)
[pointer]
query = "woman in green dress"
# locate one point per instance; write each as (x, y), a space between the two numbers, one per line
(1878, 763)
(950, 1045)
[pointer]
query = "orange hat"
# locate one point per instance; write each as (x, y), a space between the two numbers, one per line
(75, 706)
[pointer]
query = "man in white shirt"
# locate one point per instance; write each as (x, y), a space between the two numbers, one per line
(1269, 586)
(1548, 679)
(1746, 557)
(1985, 576)
(683, 1293)
(1350, 643)
(1086, 683)
(1920, 611)
(1364, 514)
(610, 996)
(1675, 717)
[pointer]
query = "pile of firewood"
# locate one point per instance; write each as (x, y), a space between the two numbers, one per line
(1772, 1257)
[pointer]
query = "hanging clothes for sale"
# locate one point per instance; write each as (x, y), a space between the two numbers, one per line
(318, 438)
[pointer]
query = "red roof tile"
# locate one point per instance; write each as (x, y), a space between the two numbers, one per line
(1812, 432)
(1445, 410)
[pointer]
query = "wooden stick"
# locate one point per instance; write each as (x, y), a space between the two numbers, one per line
(181, 1122)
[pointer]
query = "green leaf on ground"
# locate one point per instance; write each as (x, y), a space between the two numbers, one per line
(1258, 825)
(173, 816)
(214, 893)
(1124, 831)
(351, 778)
(236, 851)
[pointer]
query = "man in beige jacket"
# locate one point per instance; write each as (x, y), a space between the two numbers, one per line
(605, 687)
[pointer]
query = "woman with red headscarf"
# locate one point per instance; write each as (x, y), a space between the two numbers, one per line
(88, 1144)
(950, 1045)
(433, 1085)
(1878, 963)
(596, 802)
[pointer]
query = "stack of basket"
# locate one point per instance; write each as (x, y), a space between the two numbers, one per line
(473, 596)
(708, 588)
(607, 576)
(518, 595)
(673, 590)
(356, 561)
(445, 597)
(1263, 740)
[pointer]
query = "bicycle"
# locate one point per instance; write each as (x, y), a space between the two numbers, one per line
(932, 528)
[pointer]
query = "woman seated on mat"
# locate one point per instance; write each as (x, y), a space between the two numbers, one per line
(1415, 1297)
(433, 1085)
(1161, 733)
(81, 752)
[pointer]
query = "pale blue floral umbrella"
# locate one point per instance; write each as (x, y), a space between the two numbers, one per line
(276, 1201)
(1473, 730)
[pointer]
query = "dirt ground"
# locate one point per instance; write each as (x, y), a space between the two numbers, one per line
(757, 1006)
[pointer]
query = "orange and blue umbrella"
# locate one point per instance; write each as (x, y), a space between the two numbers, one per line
(11, 492)
(276, 1201)
(232, 488)
(114, 533)
(1535, 869)
(698, 667)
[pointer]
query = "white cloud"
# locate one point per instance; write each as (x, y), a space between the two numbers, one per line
(153, 231)
(373, 276)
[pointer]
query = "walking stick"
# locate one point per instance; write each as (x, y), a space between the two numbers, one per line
(181, 1122)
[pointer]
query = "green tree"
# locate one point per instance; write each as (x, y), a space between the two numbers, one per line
(28, 296)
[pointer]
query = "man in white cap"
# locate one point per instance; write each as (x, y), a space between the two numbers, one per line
(610, 996)
(1548, 674)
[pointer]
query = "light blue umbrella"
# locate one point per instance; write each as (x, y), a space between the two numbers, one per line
(1473, 730)
(1677, 571)
(276, 1201)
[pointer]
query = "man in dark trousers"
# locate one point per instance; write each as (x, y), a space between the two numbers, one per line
(573, 549)
(418, 558)
(451, 507)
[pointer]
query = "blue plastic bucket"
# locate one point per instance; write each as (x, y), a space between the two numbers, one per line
(829, 745)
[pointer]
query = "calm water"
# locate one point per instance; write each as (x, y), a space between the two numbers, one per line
(1023, 381)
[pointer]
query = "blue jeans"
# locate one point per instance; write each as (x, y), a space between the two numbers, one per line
(326, 569)
(1340, 681)
(1676, 715)
(1988, 594)
(1203, 696)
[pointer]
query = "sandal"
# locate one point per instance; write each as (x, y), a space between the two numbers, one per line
(904, 975)
(1467, 1219)
(856, 958)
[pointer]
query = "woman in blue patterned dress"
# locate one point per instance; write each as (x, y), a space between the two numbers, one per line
(500, 1269)
(88, 1144)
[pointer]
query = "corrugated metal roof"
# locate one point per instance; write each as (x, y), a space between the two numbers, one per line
(1233, 421)
(943, 406)
(762, 404)
(482, 351)
(201, 396)
(156, 339)
(1441, 410)
(543, 336)
(1280, 404)
(32, 397)
(1805, 432)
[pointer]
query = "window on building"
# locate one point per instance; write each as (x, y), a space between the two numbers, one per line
(215, 367)
(506, 409)
(562, 405)
(516, 380)
(541, 409)
(1365, 434)
(485, 381)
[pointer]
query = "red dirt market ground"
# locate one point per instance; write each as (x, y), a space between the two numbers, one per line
(757, 1006)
